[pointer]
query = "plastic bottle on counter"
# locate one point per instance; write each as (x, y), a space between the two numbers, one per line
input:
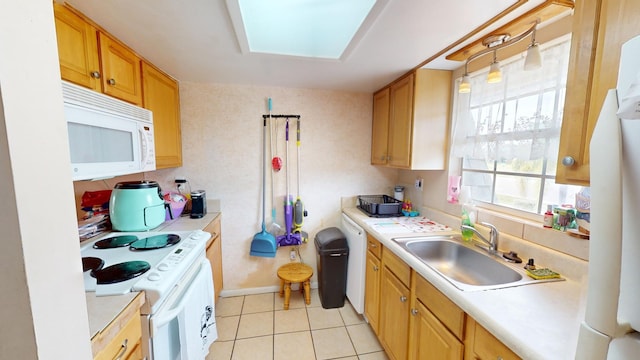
(548, 217)
(469, 213)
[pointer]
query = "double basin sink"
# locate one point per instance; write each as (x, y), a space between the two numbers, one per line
(464, 266)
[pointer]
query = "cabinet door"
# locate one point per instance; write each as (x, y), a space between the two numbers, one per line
(161, 95)
(430, 339)
(121, 70)
(77, 49)
(372, 292)
(600, 27)
(214, 255)
(400, 122)
(394, 317)
(380, 128)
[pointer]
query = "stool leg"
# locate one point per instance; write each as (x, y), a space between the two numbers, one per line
(281, 287)
(307, 292)
(287, 294)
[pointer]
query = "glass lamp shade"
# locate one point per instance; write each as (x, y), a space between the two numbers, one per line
(465, 85)
(495, 75)
(533, 60)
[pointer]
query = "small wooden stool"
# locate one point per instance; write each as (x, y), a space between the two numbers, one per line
(295, 273)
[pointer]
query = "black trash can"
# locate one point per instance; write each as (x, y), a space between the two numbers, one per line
(332, 256)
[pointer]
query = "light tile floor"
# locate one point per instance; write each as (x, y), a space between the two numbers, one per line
(256, 327)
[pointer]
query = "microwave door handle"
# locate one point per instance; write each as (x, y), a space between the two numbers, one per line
(145, 147)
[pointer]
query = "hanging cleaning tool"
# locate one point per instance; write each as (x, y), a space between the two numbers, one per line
(288, 238)
(276, 161)
(298, 208)
(263, 243)
(274, 228)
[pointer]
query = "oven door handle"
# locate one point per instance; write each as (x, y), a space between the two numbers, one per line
(173, 310)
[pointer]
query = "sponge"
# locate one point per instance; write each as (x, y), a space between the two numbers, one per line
(540, 274)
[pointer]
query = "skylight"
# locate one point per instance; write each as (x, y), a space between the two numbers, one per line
(308, 28)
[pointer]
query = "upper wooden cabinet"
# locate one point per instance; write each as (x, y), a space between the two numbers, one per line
(161, 95)
(417, 122)
(77, 49)
(120, 70)
(380, 128)
(600, 27)
(91, 58)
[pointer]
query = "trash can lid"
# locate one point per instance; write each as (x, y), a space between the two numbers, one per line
(331, 239)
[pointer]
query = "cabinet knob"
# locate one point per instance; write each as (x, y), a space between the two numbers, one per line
(123, 350)
(383, 157)
(373, 245)
(414, 312)
(375, 268)
(111, 82)
(403, 298)
(568, 161)
(95, 74)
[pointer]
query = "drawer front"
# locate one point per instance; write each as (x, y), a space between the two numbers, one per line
(449, 313)
(399, 268)
(486, 346)
(124, 343)
(374, 246)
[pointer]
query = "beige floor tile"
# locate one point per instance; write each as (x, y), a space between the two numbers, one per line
(290, 320)
(257, 324)
(350, 316)
(315, 299)
(296, 301)
(293, 346)
(220, 350)
(227, 327)
(258, 303)
(332, 343)
(363, 339)
(380, 355)
(320, 318)
(257, 348)
(228, 306)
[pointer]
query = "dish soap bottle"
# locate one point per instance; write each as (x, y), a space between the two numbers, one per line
(468, 216)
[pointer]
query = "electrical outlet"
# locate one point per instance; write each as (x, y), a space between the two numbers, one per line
(292, 255)
(419, 184)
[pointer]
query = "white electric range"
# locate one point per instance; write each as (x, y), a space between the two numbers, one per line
(173, 271)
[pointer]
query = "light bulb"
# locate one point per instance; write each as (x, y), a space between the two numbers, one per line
(533, 60)
(465, 85)
(495, 75)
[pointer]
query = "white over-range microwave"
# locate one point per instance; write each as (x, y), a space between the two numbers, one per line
(107, 137)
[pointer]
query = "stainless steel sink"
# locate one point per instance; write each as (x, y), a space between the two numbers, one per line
(465, 266)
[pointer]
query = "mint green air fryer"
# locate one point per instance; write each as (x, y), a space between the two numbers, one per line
(136, 206)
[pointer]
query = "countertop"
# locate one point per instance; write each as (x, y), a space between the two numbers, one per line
(537, 321)
(103, 309)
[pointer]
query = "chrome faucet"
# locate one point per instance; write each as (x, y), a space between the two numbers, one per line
(492, 243)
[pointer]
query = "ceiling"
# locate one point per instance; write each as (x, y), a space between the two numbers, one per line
(195, 41)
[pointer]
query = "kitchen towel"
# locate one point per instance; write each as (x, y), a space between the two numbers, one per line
(197, 320)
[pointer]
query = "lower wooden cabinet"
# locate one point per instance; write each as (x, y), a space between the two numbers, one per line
(372, 284)
(394, 306)
(481, 345)
(430, 339)
(214, 254)
(122, 338)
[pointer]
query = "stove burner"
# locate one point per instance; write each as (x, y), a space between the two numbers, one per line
(155, 242)
(91, 263)
(120, 272)
(115, 242)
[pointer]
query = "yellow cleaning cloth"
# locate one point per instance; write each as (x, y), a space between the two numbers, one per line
(540, 274)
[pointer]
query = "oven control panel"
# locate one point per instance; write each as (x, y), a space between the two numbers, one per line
(166, 275)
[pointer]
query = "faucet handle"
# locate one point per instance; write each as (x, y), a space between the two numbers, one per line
(491, 227)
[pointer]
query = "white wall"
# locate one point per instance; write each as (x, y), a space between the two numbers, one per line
(42, 301)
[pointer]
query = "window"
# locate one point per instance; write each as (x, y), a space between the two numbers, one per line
(507, 134)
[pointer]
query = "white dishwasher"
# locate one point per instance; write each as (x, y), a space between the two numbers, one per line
(357, 240)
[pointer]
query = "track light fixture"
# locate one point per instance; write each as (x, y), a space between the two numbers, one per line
(495, 42)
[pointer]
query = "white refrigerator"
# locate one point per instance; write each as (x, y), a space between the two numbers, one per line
(612, 315)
